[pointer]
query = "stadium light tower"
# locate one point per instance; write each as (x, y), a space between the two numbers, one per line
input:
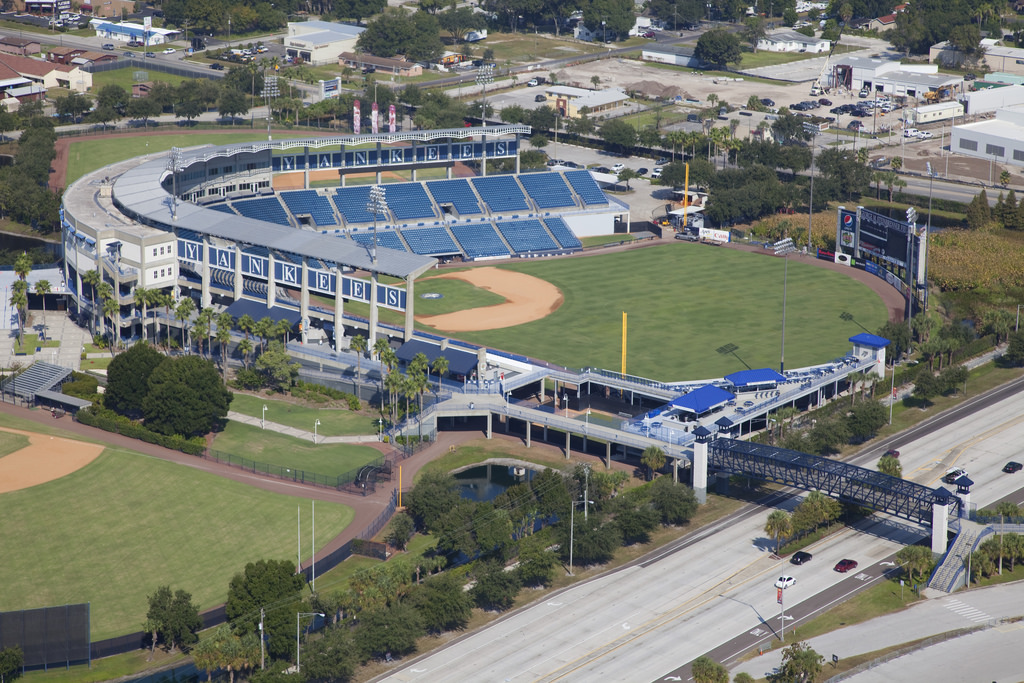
(784, 248)
(484, 76)
(377, 204)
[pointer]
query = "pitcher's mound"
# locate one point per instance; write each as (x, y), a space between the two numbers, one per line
(45, 459)
(527, 298)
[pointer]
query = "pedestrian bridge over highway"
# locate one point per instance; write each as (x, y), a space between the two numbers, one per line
(843, 481)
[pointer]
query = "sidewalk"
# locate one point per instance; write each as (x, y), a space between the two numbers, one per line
(59, 327)
(299, 433)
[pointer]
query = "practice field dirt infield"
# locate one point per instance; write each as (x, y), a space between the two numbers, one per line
(46, 458)
(527, 298)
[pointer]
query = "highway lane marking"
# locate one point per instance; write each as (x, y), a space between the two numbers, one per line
(964, 445)
(965, 610)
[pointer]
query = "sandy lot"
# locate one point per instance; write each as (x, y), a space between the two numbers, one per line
(45, 459)
(526, 299)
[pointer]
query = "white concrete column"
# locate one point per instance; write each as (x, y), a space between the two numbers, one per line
(410, 321)
(700, 469)
(339, 312)
(304, 301)
(205, 286)
(271, 287)
(940, 523)
(373, 309)
(238, 272)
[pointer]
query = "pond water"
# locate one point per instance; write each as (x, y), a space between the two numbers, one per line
(487, 482)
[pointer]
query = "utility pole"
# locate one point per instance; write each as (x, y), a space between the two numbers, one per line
(263, 664)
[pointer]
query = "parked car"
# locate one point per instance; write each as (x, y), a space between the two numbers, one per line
(618, 168)
(601, 169)
(261, 49)
(892, 453)
(151, 54)
(825, 102)
(863, 93)
(571, 164)
(924, 134)
(767, 102)
(217, 66)
(693, 118)
(954, 473)
(661, 161)
(540, 97)
(854, 125)
(643, 170)
(108, 46)
(910, 132)
(969, 77)
(844, 566)
(1012, 467)
(647, 34)
(533, 82)
(169, 51)
(785, 582)
(801, 557)
(655, 174)
(687, 237)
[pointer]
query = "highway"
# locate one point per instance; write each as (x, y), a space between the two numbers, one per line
(712, 591)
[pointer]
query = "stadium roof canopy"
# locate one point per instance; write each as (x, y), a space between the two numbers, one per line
(746, 378)
(700, 401)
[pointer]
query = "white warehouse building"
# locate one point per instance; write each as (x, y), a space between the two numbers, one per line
(1000, 139)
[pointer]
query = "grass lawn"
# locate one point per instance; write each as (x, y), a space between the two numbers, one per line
(90, 154)
(274, 448)
(601, 240)
(516, 47)
(333, 421)
(95, 364)
(752, 60)
(117, 529)
(126, 78)
(699, 297)
(10, 443)
(29, 342)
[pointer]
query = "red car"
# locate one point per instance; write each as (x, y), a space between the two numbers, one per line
(893, 453)
(647, 34)
(845, 565)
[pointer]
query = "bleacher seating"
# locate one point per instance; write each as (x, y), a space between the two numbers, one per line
(223, 208)
(309, 202)
(351, 203)
(562, 233)
(548, 190)
(526, 236)
(430, 241)
(456, 192)
(479, 240)
(501, 193)
(267, 209)
(586, 187)
(386, 239)
(408, 201)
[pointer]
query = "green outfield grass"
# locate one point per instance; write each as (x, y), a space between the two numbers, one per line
(85, 156)
(277, 449)
(112, 532)
(333, 421)
(685, 301)
(10, 443)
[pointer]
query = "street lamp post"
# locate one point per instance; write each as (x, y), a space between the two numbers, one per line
(263, 420)
(298, 616)
(810, 205)
(315, 425)
(784, 248)
(484, 76)
(572, 527)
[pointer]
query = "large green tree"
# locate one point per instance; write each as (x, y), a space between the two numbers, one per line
(443, 603)
(128, 378)
(173, 618)
(273, 586)
(276, 366)
(719, 47)
(393, 629)
(674, 502)
(707, 670)
(619, 135)
(799, 663)
(431, 498)
(330, 658)
(396, 31)
(12, 659)
(185, 397)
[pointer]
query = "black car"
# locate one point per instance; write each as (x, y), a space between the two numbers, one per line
(540, 98)
(969, 77)
(800, 557)
(217, 66)
(1012, 467)
(601, 169)
(767, 102)
(642, 171)
(825, 102)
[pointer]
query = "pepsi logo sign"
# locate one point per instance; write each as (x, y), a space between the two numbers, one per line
(848, 220)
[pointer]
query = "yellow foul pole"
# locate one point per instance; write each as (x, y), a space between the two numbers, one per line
(623, 343)
(686, 194)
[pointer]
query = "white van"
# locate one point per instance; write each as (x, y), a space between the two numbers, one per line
(910, 132)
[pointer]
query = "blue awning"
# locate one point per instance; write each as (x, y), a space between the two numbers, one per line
(257, 310)
(90, 241)
(872, 340)
(745, 378)
(700, 401)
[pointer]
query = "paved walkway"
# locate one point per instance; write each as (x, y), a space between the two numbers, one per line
(299, 433)
(58, 326)
(966, 609)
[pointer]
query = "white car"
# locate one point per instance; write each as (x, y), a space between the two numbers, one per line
(785, 582)
(924, 134)
(656, 173)
(169, 51)
(910, 132)
(618, 168)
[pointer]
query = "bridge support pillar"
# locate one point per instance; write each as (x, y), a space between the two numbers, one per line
(507, 420)
(940, 519)
(529, 428)
(545, 433)
(489, 432)
(568, 435)
(700, 469)
(675, 470)
(608, 455)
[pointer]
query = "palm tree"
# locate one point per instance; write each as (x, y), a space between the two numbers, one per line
(19, 300)
(653, 458)
(263, 328)
(417, 373)
(111, 309)
(166, 300)
(142, 295)
(104, 291)
(42, 289)
(246, 324)
(92, 278)
(779, 524)
(393, 384)
(23, 266)
(203, 326)
(854, 379)
(358, 344)
(440, 368)
(245, 348)
(282, 328)
(183, 313)
(225, 321)
(379, 347)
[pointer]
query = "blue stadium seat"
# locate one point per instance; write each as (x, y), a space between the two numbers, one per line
(430, 241)
(548, 190)
(562, 233)
(267, 209)
(408, 201)
(351, 203)
(223, 208)
(309, 202)
(526, 236)
(479, 240)
(586, 187)
(456, 192)
(386, 239)
(501, 193)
